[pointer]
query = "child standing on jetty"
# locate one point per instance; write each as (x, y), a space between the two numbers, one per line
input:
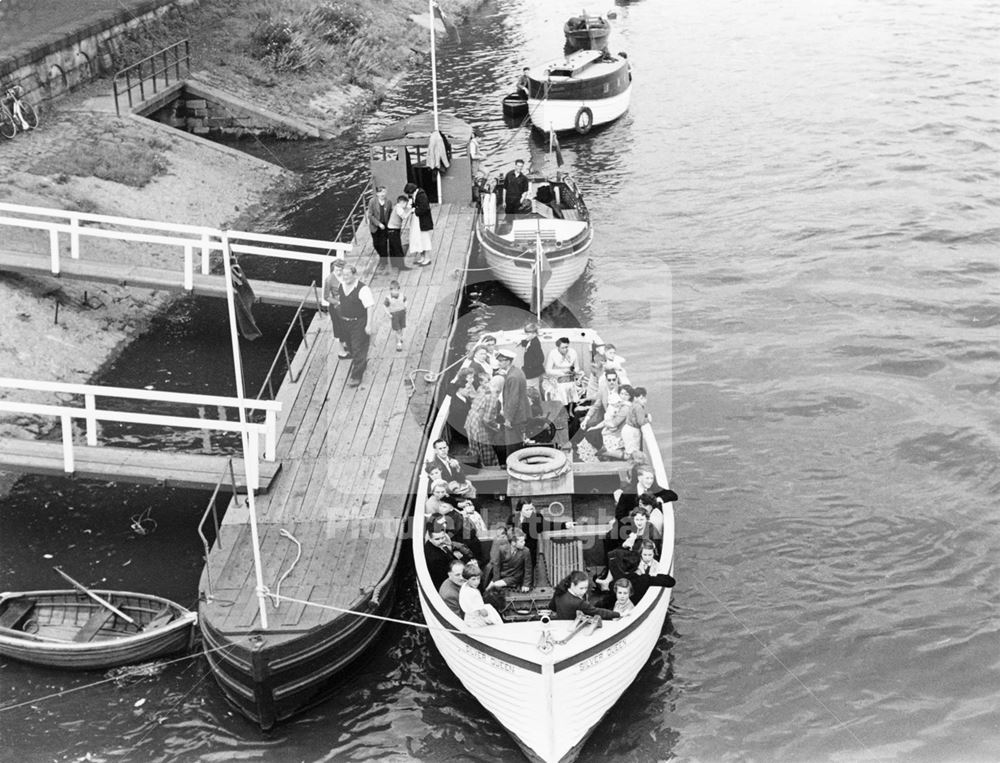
(395, 307)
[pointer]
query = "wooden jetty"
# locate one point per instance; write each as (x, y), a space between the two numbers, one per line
(331, 525)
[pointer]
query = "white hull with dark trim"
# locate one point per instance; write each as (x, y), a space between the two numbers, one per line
(516, 272)
(557, 115)
(550, 702)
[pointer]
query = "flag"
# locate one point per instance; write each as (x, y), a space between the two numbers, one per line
(554, 146)
(243, 300)
(541, 272)
(449, 27)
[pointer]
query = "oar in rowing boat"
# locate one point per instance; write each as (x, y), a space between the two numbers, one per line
(103, 602)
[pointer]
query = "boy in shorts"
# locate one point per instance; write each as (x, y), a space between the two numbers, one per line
(395, 307)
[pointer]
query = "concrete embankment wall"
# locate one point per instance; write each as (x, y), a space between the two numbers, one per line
(50, 65)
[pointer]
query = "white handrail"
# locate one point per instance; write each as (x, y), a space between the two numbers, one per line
(135, 394)
(186, 237)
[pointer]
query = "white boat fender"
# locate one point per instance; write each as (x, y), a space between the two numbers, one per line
(584, 120)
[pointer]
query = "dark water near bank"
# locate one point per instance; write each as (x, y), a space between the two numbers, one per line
(799, 252)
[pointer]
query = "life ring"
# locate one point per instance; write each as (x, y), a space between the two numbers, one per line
(584, 120)
(537, 463)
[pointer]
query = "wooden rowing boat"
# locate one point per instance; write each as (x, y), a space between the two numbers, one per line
(549, 683)
(70, 629)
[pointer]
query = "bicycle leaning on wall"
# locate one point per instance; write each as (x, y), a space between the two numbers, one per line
(15, 112)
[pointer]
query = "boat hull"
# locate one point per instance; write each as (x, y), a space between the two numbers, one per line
(58, 616)
(270, 679)
(563, 115)
(558, 705)
(516, 272)
(548, 688)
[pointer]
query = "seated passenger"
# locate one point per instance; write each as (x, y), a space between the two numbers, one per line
(512, 566)
(640, 529)
(561, 367)
(615, 362)
(477, 613)
(452, 585)
(440, 550)
(451, 470)
(623, 596)
(532, 524)
(649, 572)
(570, 597)
(644, 481)
(611, 427)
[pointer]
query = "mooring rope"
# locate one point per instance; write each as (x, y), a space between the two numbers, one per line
(56, 695)
(298, 555)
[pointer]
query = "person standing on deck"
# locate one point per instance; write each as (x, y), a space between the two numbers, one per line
(475, 152)
(331, 293)
(378, 212)
(395, 308)
(515, 185)
(399, 217)
(422, 225)
(514, 404)
(357, 310)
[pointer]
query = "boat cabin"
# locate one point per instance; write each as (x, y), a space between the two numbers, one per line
(403, 153)
(574, 63)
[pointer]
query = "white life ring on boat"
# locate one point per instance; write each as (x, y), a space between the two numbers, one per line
(537, 463)
(583, 120)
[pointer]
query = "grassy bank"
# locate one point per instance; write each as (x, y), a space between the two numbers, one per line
(325, 62)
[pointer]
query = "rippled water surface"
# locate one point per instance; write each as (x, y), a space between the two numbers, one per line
(798, 251)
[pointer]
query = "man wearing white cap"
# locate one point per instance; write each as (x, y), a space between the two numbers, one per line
(514, 403)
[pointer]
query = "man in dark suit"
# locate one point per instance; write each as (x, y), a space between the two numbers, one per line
(514, 404)
(440, 550)
(451, 470)
(515, 185)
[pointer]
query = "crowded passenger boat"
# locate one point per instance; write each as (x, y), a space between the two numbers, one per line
(544, 549)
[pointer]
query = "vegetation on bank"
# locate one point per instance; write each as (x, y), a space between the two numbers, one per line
(116, 155)
(295, 51)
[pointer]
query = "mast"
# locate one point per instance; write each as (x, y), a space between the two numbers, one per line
(249, 451)
(434, 84)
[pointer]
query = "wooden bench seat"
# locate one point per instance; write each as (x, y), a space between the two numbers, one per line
(493, 479)
(530, 234)
(161, 618)
(98, 619)
(16, 613)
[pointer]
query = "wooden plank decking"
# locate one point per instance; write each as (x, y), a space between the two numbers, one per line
(348, 456)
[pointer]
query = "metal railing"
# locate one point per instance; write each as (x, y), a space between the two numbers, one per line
(152, 69)
(215, 517)
(356, 215)
(284, 351)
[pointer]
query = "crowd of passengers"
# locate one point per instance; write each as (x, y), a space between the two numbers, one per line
(608, 413)
(498, 407)
(473, 584)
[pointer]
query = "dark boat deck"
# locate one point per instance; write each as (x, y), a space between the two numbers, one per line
(348, 456)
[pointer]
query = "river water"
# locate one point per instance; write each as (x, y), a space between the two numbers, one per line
(798, 251)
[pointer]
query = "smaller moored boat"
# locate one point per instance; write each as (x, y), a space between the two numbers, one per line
(515, 105)
(586, 32)
(555, 221)
(71, 629)
(579, 91)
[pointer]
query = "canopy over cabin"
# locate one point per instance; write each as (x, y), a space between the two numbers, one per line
(399, 156)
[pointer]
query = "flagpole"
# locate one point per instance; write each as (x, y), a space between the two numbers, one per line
(434, 83)
(248, 451)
